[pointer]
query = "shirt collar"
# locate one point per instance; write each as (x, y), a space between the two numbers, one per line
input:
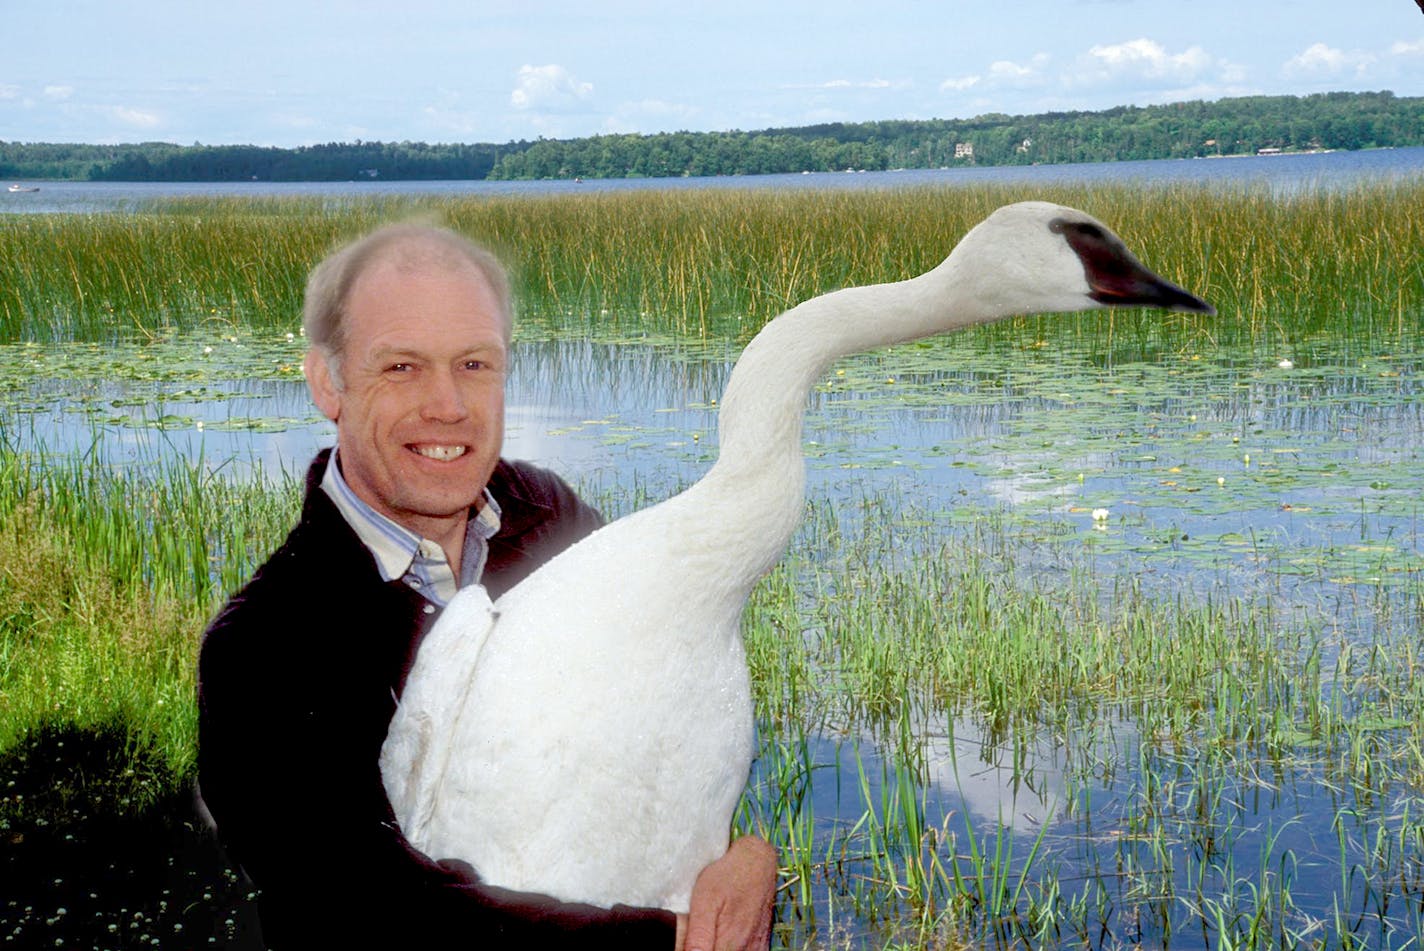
(401, 554)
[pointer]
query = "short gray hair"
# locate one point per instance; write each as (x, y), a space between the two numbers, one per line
(409, 247)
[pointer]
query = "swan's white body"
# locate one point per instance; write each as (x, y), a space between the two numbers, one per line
(588, 735)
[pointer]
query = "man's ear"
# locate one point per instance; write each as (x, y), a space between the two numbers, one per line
(322, 383)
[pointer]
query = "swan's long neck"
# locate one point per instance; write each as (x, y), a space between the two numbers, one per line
(765, 400)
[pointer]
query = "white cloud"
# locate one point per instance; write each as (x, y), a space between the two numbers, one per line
(1321, 60)
(865, 84)
(1008, 73)
(1333, 67)
(1001, 74)
(853, 84)
(1139, 70)
(960, 84)
(549, 88)
(1143, 70)
(58, 93)
(9, 91)
(1145, 59)
(135, 117)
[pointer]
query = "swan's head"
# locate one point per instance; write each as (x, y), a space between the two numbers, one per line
(1037, 257)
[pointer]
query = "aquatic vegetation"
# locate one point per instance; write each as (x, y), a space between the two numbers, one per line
(1112, 638)
(108, 577)
(1160, 767)
(721, 262)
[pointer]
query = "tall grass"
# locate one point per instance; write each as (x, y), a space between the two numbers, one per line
(107, 578)
(718, 262)
(877, 626)
(884, 625)
(1230, 713)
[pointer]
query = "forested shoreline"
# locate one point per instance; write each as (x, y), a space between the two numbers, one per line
(1238, 126)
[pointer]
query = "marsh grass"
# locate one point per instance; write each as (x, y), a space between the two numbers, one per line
(1188, 725)
(106, 579)
(875, 628)
(1233, 713)
(719, 262)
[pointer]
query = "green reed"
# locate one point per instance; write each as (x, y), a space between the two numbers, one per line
(876, 621)
(888, 621)
(874, 628)
(107, 578)
(719, 262)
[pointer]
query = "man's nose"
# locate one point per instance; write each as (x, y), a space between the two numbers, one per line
(443, 400)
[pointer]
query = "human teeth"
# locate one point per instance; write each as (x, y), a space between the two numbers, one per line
(443, 453)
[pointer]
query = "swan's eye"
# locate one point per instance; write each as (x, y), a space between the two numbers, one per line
(1082, 229)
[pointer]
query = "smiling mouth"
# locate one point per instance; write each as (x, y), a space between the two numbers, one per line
(439, 453)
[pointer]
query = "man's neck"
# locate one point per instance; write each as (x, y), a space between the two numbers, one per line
(448, 533)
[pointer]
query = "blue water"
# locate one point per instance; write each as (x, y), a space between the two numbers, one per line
(1280, 173)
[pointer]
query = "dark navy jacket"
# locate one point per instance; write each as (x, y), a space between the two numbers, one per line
(298, 680)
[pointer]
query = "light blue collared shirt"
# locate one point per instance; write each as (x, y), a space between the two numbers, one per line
(404, 555)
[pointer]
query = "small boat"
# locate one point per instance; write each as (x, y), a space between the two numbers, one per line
(24, 188)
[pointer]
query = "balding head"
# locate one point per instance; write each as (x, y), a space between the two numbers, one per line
(408, 247)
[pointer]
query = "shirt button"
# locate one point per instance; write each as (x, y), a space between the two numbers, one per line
(430, 609)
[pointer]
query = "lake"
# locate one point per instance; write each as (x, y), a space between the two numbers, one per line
(1279, 173)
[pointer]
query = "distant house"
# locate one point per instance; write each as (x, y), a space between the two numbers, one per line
(1024, 146)
(1268, 150)
(964, 150)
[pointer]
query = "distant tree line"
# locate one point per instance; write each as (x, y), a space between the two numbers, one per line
(333, 162)
(1180, 130)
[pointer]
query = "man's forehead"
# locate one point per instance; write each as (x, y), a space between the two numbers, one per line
(418, 282)
(443, 266)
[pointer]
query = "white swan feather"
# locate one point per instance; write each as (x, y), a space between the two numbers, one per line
(588, 736)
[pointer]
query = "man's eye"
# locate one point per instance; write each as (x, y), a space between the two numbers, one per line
(398, 368)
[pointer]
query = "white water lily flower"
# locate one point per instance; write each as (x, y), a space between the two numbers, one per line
(1100, 515)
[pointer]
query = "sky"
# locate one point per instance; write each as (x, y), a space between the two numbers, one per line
(292, 72)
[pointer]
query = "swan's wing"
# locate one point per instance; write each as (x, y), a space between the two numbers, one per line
(419, 740)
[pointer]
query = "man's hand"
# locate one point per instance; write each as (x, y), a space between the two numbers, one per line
(732, 900)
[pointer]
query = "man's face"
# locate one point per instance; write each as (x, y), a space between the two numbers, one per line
(419, 409)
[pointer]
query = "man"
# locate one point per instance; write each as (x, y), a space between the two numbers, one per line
(300, 672)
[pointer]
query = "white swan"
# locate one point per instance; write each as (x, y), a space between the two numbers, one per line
(588, 735)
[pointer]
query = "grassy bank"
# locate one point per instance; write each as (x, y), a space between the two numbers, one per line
(106, 580)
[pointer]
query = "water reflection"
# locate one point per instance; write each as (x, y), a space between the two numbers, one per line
(1206, 463)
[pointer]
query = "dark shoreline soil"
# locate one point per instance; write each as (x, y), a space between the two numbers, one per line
(78, 873)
